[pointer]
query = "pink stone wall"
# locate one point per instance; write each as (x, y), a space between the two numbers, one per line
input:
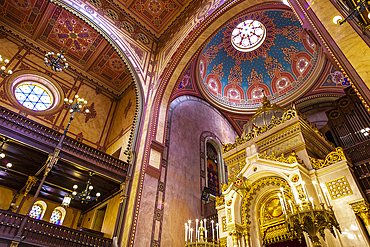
(190, 118)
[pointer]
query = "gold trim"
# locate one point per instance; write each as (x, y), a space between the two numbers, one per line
(293, 158)
(332, 158)
(339, 187)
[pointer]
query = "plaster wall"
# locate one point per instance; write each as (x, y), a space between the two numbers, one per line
(109, 220)
(183, 189)
(122, 123)
(91, 129)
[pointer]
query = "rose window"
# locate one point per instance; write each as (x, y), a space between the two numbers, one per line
(248, 35)
(33, 96)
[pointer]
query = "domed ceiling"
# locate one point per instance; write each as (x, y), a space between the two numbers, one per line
(264, 52)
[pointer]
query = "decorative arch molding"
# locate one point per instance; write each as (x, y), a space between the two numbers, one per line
(135, 132)
(205, 137)
(257, 186)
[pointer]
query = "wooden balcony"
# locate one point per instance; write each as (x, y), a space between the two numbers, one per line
(29, 132)
(42, 233)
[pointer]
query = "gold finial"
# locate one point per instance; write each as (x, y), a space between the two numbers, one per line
(266, 102)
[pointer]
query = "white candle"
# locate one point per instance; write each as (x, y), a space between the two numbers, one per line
(282, 191)
(300, 204)
(191, 235)
(317, 191)
(281, 203)
(196, 228)
(324, 192)
(213, 231)
(189, 228)
(198, 235)
(205, 227)
(290, 204)
(311, 200)
(186, 232)
(217, 231)
(304, 190)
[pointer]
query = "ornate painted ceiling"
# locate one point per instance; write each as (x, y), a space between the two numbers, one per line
(155, 15)
(286, 63)
(56, 29)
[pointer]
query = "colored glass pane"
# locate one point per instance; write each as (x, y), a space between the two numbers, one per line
(248, 35)
(36, 212)
(33, 96)
(55, 217)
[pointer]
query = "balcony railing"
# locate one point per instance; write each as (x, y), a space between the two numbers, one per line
(42, 233)
(35, 131)
(359, 153)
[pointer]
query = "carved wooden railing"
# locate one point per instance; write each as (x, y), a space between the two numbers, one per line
(26, 127)
(42, 233)
(359, 153)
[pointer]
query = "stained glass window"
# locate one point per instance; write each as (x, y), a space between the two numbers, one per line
(33, 96)
(212, 170)
(56, 217)
(36, 212)
(248, 35)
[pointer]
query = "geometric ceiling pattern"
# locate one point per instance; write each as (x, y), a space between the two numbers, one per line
(57, 29)
(278, 68)
(155, 15)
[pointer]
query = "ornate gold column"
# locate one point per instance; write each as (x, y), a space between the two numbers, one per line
(361, 209)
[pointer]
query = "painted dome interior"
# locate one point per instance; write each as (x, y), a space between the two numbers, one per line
(278, 64)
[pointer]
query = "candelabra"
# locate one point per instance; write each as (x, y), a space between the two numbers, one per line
(2, 156)
(3, 63)
(84, 196)
(58, 62)
(358, 10)
(200, 235)
(305, 216)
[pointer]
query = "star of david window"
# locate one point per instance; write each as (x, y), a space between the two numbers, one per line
(33, 96)
(248, 35)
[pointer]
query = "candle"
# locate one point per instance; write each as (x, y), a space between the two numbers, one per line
(205, 228)
(196, 228)
(300, 204)
(217, 232)
(317, 191)
(290, 204)
(191, 235)
(198, 235)
(186, 232)
(322, 185)
(282, 191)
(281, 203)
(189, 228)
(304, 190)
(213, 231)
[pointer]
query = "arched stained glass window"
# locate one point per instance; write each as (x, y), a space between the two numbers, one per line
(212, 170)
(33, 96)
(38, 210)
(57, 216)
